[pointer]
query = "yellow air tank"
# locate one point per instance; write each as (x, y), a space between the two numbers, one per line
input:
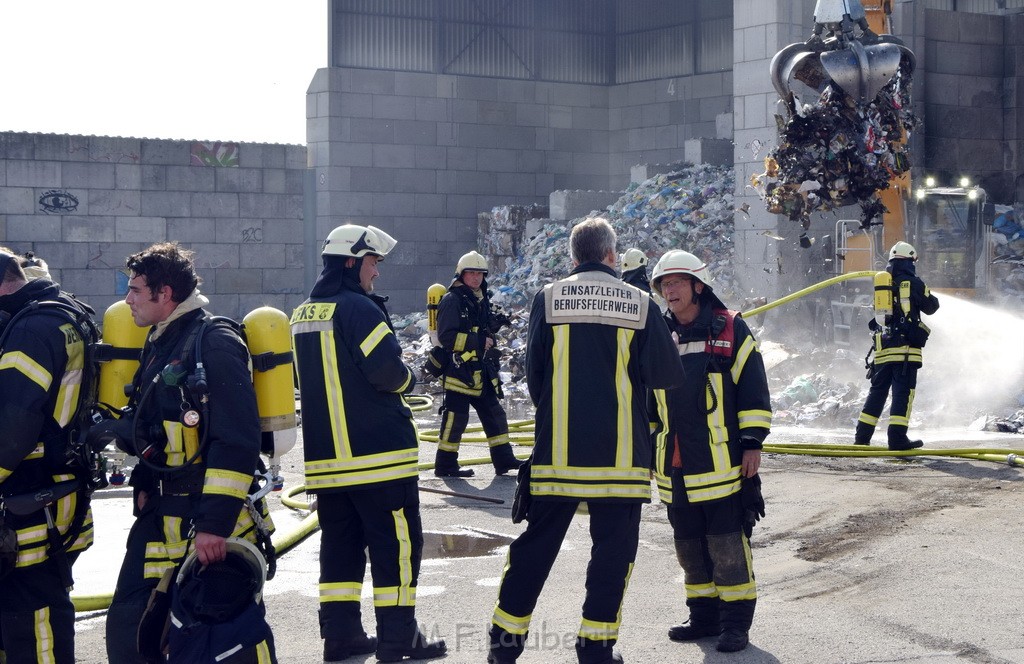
(434, 295)
(883, 296)
(125, 340)
(269, 339)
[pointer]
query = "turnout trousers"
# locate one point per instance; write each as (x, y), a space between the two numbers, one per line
(386, 520)
(37, 618)
(714, 553)
(455, 418)
(614, 532)
(902, 378)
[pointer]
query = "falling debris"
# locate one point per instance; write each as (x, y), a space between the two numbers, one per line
(839, 152)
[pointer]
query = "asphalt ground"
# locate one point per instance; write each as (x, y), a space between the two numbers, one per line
(857, 560)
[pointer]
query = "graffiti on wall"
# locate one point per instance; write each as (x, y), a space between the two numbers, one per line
(218, 154)
(252, 235)
(58, 201)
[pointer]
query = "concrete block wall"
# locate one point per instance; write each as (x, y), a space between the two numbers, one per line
(84, 203)
(651, 121)
(963, 94)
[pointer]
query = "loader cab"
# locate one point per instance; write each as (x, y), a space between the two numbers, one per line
(949, 229)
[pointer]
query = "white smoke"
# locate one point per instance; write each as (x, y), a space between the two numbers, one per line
(973, 364)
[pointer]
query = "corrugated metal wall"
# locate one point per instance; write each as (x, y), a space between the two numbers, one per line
(577, 41)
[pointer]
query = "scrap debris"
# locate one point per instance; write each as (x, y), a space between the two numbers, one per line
(839, 152)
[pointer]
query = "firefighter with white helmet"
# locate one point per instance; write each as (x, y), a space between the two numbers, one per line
(634, 269)
(465, 329)
(898, 336)
(361, 452)
(708, 441)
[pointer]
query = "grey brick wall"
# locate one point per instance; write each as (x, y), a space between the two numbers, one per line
(84, 203)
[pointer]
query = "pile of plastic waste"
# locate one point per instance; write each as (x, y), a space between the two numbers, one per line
(691, 208)
(838, 152)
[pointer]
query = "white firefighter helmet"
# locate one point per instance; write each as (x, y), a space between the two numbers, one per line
(903, 250)
(358, 241)
(681, 262)
(632, 259)
(220, 591)
(471, 261)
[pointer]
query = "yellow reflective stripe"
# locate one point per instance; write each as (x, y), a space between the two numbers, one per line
(754, 419)
(695, 590)
(172, 536)
(624, 399)
(701, 480)
(910, 402)
(43, 632)
(560, 395)
(460, 342)
(740, 360)
(5, 473)
(346, 591)
(590, 473)
(335, 403)
(718, 430)
(156, 569)
(394, 596)
(500, 439)
(712, 493)
(590, 491)
(664, 483)
(510, 623)
(374, 338)
(28, 367)
(898, 354)
(404, 386)
(368, 477)
(598, 631)
(369, 461)
(263, 653)
(905, 296)
(867, 419)
(71, 381)
(661, 438)
(226, 483)
(406, 591)
(307, 327)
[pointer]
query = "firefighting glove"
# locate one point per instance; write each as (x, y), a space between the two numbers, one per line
(753, 502)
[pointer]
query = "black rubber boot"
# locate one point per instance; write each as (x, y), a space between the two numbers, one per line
(905, 444)
(420, 648)
(692, 631)
(732, 640)
(504, 459)
(336, 650)
(446, 464)
(863, 434)
(597, 652)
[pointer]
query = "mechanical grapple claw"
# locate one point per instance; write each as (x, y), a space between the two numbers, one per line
(842, 51)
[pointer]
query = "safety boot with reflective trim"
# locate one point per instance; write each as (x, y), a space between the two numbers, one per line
(504, 459)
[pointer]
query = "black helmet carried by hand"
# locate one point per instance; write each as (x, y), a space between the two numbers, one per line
(221, 591)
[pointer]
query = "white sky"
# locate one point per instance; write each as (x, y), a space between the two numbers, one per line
(228, 70)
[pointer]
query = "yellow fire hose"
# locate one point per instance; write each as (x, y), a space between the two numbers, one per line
(807, 291)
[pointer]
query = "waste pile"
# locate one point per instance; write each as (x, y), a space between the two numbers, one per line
(838, 152)
(1008, 264)
(691, 208)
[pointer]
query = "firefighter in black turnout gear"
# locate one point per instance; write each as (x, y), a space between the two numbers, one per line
(708, 443)
(465, 328)
(45, 520)
(192, 421)
(361, 451)
(634, 269)
(897, 342)
(594, 345)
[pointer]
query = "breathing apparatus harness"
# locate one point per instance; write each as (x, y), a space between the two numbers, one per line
(72, 451)
(194, 384)
(719, 322)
